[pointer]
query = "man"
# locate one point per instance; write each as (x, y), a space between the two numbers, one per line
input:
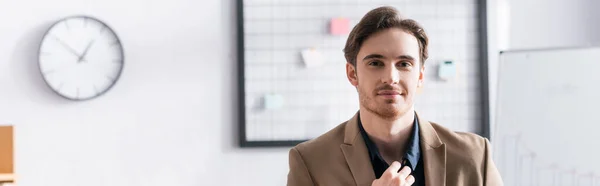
(386, 142)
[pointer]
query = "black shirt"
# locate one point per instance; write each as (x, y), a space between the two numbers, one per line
(412, 158)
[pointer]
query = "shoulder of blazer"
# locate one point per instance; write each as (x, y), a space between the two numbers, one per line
(464, 149)
(464, 142)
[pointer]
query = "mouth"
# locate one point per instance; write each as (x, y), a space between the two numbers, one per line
(389, 94)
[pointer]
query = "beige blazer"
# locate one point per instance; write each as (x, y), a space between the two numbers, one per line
(340, 157)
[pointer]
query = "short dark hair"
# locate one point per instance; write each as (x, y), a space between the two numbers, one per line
(380, 19)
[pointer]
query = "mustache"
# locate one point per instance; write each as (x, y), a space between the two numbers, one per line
(388, 87)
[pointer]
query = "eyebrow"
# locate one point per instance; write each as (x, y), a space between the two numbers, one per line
(379, 56)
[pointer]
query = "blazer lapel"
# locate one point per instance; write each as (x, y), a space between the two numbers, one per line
(356, 154)
(434, 154)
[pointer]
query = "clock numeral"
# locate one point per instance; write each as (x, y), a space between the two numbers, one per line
(60, 86)
(96, 90)
(102, 29)
(67, 25)
(48, 72)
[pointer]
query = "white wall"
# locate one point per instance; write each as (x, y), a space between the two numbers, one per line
(169, 120)
(550, 23)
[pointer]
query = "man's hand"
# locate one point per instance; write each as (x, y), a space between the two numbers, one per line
(391, 176)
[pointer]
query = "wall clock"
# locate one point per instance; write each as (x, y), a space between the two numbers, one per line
(80, 58)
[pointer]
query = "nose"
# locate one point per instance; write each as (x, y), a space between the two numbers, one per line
(391, 75)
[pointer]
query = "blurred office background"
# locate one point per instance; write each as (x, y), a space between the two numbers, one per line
(173, 117)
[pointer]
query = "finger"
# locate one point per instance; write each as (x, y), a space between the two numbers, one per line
(410, 180)
(394, 167)
(404, 173)
(375, 182)
(392, 170)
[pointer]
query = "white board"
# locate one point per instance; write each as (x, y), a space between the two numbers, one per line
(289, 97)
(548, 117)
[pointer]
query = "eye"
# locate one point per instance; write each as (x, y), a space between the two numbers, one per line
(375, 63)
(405, 64)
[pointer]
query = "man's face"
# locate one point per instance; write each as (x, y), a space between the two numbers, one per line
(388, 73)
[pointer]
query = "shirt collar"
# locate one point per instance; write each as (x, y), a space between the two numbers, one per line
(413, 148)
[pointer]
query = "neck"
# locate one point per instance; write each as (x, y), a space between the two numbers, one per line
(390, 136)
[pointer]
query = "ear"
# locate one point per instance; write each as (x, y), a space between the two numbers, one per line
(351, 74)
(421, 78)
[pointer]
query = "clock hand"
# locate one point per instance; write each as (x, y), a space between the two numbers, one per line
(87, 48)
(67, 46)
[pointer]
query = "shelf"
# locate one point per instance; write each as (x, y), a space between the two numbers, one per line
(7, 177)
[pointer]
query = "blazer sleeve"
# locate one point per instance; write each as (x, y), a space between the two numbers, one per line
(298, 174)
(491, 175)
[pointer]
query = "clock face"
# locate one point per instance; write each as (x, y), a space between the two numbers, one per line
(80, 58)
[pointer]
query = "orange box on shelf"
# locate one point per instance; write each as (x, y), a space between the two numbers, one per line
(6, 154)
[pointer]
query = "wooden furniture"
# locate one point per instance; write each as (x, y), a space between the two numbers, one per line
(6, 154)
(7, 178)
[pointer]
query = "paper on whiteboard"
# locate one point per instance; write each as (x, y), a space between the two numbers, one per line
(312, 57)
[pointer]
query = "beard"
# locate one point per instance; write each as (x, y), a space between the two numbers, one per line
(388, 109)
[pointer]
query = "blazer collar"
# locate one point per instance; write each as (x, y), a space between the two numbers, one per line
(351, 133)
(428, 135)
(412, 150)
(434, 154)
(357, 156)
